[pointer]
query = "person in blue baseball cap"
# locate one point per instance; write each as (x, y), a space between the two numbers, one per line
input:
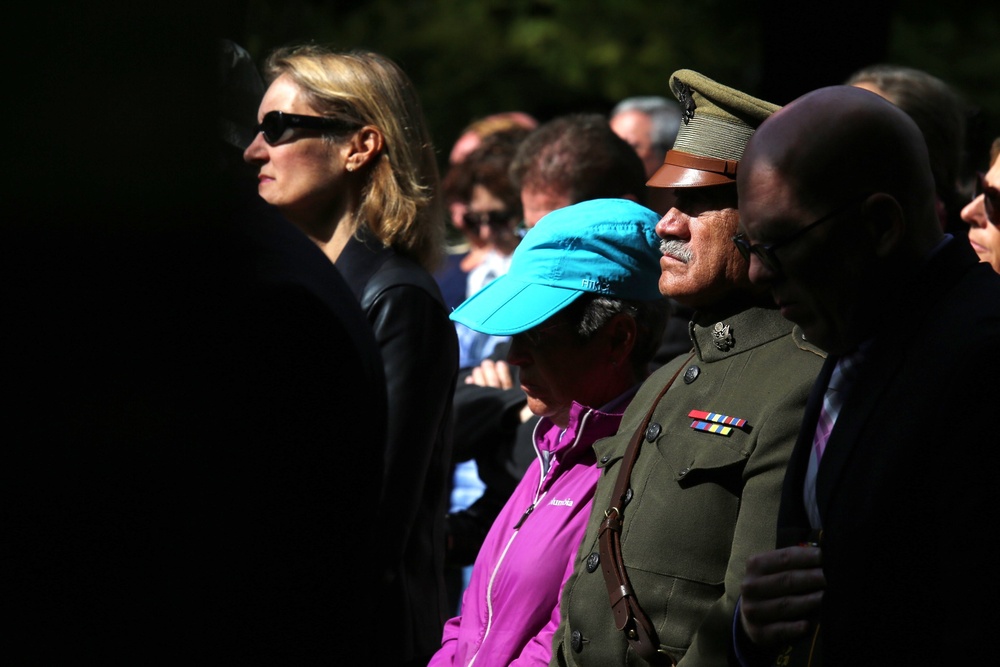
(581, 304)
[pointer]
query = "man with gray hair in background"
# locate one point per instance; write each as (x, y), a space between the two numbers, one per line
(649, 124)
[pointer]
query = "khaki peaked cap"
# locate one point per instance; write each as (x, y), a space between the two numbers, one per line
(717, 122)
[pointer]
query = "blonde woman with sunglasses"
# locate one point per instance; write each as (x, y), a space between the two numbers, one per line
(343, 152)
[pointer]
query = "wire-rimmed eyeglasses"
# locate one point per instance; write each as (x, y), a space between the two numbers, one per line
(766, 251)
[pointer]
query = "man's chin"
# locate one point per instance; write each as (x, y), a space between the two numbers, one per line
(789, 311)
(677, 279)
(664, 285)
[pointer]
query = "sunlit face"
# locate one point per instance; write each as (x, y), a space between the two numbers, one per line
(636, 128)
(821, 281)
(700, 265)
(557, 368)
(537, 203)
(984, 235)
(303, 176)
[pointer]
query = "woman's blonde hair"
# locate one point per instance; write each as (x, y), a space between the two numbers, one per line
(399, 203)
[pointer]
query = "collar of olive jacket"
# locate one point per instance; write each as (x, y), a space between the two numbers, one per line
(743, 331)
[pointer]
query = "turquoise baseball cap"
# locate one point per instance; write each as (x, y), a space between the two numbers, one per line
(603, 246)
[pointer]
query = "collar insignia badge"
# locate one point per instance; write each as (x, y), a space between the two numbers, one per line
(722, 337)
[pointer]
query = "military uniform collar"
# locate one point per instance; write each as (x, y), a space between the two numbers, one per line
(738, 332)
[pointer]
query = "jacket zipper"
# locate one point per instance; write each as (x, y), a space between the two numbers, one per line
(531, 508)
(539, 495)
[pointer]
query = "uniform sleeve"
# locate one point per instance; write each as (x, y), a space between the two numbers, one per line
(559, 632)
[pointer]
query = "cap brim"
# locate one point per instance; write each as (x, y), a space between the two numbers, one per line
(507, 306)
(683, 170)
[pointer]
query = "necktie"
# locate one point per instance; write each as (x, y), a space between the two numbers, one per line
(840, 382)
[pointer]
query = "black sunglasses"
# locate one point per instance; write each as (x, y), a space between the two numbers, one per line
(991, 198)
(277, 126)
(475, 219)
(765, 251)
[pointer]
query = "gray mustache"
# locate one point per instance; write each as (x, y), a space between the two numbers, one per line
(676, 249)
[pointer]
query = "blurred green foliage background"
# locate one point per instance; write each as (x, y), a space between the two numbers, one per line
(470, 58)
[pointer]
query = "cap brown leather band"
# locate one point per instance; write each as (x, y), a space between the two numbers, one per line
(715, 165)
(682, 169)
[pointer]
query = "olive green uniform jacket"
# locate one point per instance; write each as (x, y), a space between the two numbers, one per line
(701, 501)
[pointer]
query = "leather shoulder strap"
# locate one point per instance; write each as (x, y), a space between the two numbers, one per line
(629, 616)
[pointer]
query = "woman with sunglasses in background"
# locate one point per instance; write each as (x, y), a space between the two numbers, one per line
(467, 249)
(982, 215)
(343, 152)
(490, 219)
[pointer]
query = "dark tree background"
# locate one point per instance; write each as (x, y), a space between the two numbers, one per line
(546, 57)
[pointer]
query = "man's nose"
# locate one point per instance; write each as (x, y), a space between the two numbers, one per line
(759, 273)
(673, 223)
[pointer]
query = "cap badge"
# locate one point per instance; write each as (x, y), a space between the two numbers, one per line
(683, 93)
(722, 337)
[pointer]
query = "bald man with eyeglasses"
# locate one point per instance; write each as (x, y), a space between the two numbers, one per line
(891, 487)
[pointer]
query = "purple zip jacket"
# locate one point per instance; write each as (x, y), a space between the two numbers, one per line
(510, 609)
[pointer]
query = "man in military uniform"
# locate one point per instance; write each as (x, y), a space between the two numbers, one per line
(658, 572)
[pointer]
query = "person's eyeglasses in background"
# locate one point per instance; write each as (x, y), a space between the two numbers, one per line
(475, 219)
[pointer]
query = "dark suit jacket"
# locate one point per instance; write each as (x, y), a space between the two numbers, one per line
(176, 447)
(907, 487)
(178, 385)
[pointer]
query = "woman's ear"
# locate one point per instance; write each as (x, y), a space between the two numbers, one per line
(621, 337)
(364, 146)
(886, 223)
